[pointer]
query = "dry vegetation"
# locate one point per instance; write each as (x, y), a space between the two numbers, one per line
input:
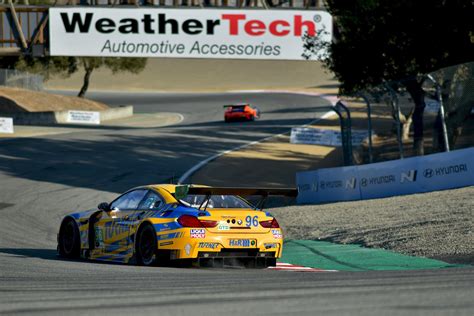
(20, 100)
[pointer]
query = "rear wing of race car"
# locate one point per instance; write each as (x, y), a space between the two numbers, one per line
(290, 192)
(235, 105)
(181, 191)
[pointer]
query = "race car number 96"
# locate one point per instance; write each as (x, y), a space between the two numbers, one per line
(249, 221)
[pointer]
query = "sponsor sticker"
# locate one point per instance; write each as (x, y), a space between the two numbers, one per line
(198, 233)
(241, 243)
(444, 171)
(210, 245)
(223, 226)
(382, 180)
(99, 239)
(276, 233)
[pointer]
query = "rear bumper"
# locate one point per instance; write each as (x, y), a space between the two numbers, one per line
(238, 118)
(218, 245)
(248, 258)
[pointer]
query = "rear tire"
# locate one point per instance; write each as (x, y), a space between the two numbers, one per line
(146, 250)
(69, 240)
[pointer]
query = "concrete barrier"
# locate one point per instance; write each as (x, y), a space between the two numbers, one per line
(434, 172)
(61, 117)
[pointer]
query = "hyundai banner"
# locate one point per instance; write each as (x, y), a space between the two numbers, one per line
(398, 177)
(189, 33)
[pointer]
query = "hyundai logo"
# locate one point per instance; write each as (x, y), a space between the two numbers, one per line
(428, 173)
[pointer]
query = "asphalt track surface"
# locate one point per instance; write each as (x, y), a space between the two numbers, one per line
(44, 178)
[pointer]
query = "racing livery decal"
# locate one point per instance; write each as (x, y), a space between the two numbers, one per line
(225, 228)
(198, 233)
(276, 233)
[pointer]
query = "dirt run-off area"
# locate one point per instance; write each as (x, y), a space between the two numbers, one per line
(436, 225)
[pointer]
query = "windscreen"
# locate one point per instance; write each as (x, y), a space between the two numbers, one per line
(238, 108)
(216, 201)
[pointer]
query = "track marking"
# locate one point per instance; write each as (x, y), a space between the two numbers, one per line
(281, 266)
(204, 162)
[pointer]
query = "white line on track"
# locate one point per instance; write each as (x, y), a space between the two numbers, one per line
(201, 164)
(296, 268)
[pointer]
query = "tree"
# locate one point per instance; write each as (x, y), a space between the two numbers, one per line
(457, 84)
(47, 66)
(380, 41)
(66, 66)
(133, 65)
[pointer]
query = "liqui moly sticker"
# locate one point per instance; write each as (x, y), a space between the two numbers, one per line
(276, 233)
(198, 233)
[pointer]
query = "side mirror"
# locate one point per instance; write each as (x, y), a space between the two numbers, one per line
(104, 206)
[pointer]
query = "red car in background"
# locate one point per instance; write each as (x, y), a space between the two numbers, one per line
(241, 112)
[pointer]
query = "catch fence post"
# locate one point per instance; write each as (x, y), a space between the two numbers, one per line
(396, 105)
(439, 95)
(346, 136)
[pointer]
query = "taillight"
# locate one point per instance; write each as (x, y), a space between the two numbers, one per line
(270, 224)
(193, 221)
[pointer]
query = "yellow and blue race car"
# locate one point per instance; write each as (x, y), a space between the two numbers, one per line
(166, 224)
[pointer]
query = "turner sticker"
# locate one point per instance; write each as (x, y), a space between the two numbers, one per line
(210, 245)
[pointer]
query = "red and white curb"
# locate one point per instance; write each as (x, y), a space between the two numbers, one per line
(296, 268)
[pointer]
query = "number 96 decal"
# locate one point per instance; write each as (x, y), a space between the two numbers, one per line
(251, 221)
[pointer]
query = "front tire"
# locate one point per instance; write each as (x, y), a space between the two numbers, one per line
(69, 240)
(145, 246)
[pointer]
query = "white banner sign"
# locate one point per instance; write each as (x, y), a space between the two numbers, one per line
(325, 137)
(6, 125)
(193, 33)
(83, 117)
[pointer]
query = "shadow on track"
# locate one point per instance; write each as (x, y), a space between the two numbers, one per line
(48, 254)
(115, 162)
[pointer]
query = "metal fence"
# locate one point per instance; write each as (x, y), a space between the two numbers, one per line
(18, 79)
(177, 3)
(443, 106)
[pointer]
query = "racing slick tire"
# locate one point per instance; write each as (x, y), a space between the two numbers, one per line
(146, 251)
(69, 240)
